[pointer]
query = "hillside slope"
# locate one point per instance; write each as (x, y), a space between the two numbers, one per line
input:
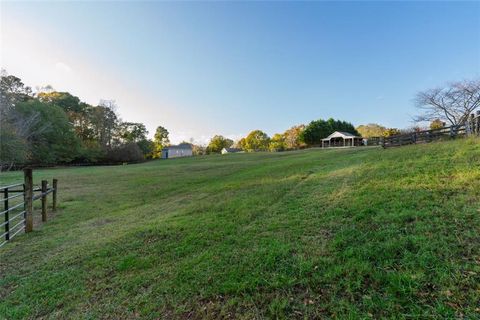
(315, 233)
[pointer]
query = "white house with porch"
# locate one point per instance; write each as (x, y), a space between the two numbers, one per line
(342, 139)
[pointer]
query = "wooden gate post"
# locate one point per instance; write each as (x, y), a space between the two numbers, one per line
(54, 195)
(44, 200)
(28, 199)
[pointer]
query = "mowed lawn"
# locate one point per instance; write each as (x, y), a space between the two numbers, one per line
(352, 233)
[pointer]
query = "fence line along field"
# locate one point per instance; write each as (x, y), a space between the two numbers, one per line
(350, 233)
(471, 127)
(17, 200)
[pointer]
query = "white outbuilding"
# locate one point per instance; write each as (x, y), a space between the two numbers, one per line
(181, 150)
(231, 150)
(342, 139)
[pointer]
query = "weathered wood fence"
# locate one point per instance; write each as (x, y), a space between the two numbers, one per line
(470, 127)
(18, 205)
(374, 141)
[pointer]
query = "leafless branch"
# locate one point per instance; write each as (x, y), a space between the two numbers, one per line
(452, 103)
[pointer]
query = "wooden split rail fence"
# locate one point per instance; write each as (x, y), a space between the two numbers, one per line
(471, 127)
(18, 205)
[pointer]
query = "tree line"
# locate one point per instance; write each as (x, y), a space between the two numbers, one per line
(297, 137)
(446, 105)
(50, 127)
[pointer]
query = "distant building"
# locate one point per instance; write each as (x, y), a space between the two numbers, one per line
(231, 150)
(342, 139)
(181, 150)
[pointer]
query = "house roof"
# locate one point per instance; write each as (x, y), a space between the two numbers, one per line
(232, 149)
(180, 146)
(341, 134)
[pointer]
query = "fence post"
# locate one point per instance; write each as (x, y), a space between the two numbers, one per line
(5, 207)
(472, 123)
(54, 195)
(478, 123)
(44, 200)
(28, 199)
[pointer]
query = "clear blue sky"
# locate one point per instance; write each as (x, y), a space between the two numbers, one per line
(205, 68)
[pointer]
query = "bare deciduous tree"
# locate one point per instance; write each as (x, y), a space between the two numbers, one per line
(452, 103)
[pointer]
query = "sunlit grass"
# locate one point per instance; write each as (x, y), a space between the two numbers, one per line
(316, 233)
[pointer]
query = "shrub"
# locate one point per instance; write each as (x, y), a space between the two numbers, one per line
(129, 152)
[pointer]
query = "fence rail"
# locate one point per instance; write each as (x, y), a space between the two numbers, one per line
(470, 127)
(19, 216)
(374, 141)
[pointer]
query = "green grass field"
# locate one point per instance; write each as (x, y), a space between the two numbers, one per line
(351, 233)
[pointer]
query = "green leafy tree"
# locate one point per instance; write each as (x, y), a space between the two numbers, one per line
(320, 129)
(104, 122)
(132, 132)
(437, 124)
(68, 102)
(217, 143)
(128, 152)
(56, 127)
(15, 128)
(160, 140)
(371, 130)
(73, 107)
(198, 150)
(257, 140)
(12, 91)
(52, 139)
(147, 147)
(294, 137)
(391, 132)
(240, 144)
(13, 147)
(277, 142)
(91, 124)
(316, 131)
